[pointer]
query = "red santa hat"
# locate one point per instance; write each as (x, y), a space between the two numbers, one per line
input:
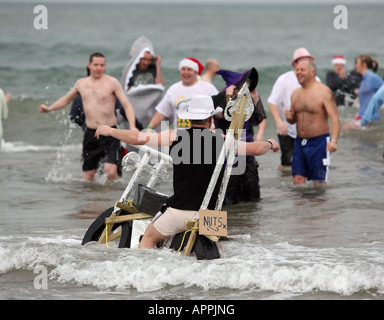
(339, 60)
(193, 64)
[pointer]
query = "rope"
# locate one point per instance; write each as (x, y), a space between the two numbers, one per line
(185, 233)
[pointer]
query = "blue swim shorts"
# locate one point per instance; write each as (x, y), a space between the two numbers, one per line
(310, 158)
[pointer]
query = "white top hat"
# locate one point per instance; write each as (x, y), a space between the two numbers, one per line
(200, 107)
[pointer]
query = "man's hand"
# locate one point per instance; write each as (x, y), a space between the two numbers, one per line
(8, 97)
(158, 60)
(103, 130)
(43, 109)
(282, 128)
(332, 146)
(274, 145)
(290, 116)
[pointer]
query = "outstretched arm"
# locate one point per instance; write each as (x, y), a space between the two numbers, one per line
(137, 138)
(62, 102)
(257, 148)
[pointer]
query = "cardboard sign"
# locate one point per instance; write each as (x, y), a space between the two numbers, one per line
(213, 223)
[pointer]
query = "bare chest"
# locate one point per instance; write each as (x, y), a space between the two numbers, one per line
(309, 103)
(99, 93)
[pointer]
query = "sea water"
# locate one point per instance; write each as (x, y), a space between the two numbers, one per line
(295, 243)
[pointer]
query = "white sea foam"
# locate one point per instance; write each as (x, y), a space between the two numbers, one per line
(242, 267)
(19, 146)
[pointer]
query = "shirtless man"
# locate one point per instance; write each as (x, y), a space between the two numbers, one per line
(211, 67)
(311, 106)
(98, 92)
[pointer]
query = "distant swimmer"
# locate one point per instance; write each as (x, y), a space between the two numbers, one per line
(312, 104)
(4, 99)
(99, 92)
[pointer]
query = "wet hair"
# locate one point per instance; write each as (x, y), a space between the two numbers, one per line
(371, 64)
(96, 55)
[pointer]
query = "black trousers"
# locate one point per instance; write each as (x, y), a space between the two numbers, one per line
(244, 187)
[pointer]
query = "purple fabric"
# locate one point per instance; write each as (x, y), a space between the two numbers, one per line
(230, 77)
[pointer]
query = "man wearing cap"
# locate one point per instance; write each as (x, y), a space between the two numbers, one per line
(279, 101)
(181, 92)
(342, 82)
(311, 107)
(194, 152)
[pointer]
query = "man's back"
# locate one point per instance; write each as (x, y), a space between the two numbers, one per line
(194, 154)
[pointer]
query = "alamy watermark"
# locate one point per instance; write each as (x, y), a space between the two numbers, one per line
(341, 20)
(202, 147)
(41, 280)
(41, 20)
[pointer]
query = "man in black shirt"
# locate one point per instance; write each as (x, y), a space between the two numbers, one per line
(342, 83)
(194, 153)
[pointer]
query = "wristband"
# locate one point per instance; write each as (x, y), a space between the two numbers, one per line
(148, 127)
(270, 143)
(335, 141)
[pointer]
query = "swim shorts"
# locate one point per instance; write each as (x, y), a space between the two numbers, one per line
(106, 150)
(172, 221)
(310, 158)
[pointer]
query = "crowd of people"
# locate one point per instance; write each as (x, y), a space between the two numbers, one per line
(300, 105)
(304, 110)
(100, 99)
(362, 84)
(311, 105)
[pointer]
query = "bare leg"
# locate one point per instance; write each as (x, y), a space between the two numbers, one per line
(111, 171)
(89, 175)
(299, 179)
(281, 167)
(151, 237)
